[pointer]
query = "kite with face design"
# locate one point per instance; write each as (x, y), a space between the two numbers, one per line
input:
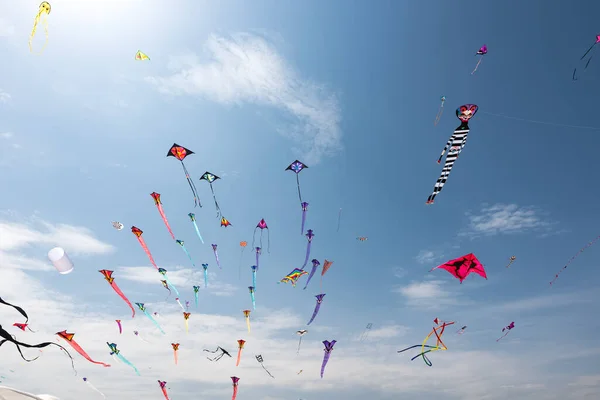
(43, 12)
(454, 146)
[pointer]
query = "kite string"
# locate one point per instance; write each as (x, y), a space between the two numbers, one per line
(541, 122)
(573, 258)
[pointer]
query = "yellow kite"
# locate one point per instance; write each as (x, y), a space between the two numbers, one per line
(43, 13)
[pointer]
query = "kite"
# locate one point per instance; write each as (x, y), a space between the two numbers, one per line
(138, 233)
(193, 219)
(182, 244)
(461, 330)
(180, 153)
(180, 305)
(7, 337)
(187, 305)
(251, 289)
(254, 269)
(293, 276)
(163, 387)
(262, 225)
(299, 372)
(240, 347)
(328, 349)
(317, 307)
(235, 381)
(111, 281)
(117, 225)
(300, 333)
(19, 309)
(304, 206)
(166, 286)
(175, 348)
(247, 316)
(455, 144)
(136, 333)
(315, 264)
(585, 54)
(93, 387)
(158, 203)
(225, 222)
(186, 317)
(573, 258)
(258, 252)
(120, 327)
(141, 56)
(145, 311)
(512, 260)
(309, 235)
(115, 352)
(60, 260)
(362, 238)
(69, 338)
(163, 272)
(243, 245)
(260, 360)
(205, 267)
(42, 14)
(366, 332)
(23, 327)
(210, 178)
(507, 328)
(339, 219)
(481, 52)
(431, 348)
(196, 289)
(217, 358)
(440, 111)
(326, 265)
(214, 247)
(461, 267)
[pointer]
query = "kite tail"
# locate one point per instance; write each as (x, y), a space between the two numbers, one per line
(573, 258)
(198, 231)
(120, 327)
(175, 356)
(307, 255)
(588, 50)
(299, 343)
(189, 256)
(125, 299)
(298, 184)
(339, 219)
(239, 357)
(171, 285)
(19, 309)
(253, 301)
(94, 388)
(126, 361)
(439, 115)
(503, 336)
(219, 215)
(205, 278)
(257, 258)
(303, 222)
(165, 220)
(192, 186)
(187, 326)
(85, 355)
(145, 247)
(267, 371)
(217, 259)
(196, 299)
(324, 364)
(317, 307)
(248, 324)
(235, 390)
(268, 242)
(254, 278)
(477, 66)
(312, 272)
(154, 322)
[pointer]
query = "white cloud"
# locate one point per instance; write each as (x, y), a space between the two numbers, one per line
(248, 69)
(427, 294)
(6, 135)
(427, 256)
(505, 218)
(4, 96)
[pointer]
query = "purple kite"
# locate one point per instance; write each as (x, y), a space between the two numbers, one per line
(297, 167)
(507, 328)
(304, 210)
(258, 252)
(262, 225)
(214, 246)
(309, 235)
(481, 52)
(315, 263)
(317, 307)
(328, 349)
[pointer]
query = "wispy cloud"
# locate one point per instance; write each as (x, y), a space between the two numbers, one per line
(506, 219)
(427, 294)
(427, 256)
(246, 68)
(537, 303)
(6, 135)
(4, 96)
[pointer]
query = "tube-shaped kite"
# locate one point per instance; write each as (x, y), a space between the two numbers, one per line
(180, 305)
(111, 281)
(43, 12)
(196, 289)
(163, 387)
(182, 244)
(193, 218)
(300, 333)
(235, 381)
(214, 247)
(247, 316)
(158, 203)
(163, 272)
(317, 307)
(309, 235)
(240, 347)
(69, 338)
(115, 352)
(258, 252)
(315, 264)
(147, 314)
(138, 234)
(175, 349)
(205, 268)
(186, 317)
(251, 290)
(60, 260)
(328, 349)
(304, 206)
(120, 327)
(254, 269)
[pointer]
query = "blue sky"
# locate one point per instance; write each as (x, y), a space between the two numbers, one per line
(351, 89)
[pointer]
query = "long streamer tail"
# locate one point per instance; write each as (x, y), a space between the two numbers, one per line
(317, 307)
(198, 231)
(307, 255)
(477, 66)
(125, 299)
(192, 186)
(239, 357)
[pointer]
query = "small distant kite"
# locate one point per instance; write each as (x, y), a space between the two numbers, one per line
(461, 267)
(300, 333)
(455, 144)
(175, 349)
(222, 351)
(315, 264)
(362, 238)
(225, 222)
(138, 234)
(163, 387)
(251, 289)
(43, 12)
(365, 333)
(573, 258)
(235, 381)
(141, 56)
(247, 317)
(214, 247)
(507, 328)
(259, 358)
(262, 225)
(481, 52)
(180, 153)
(92, 387)
(69, 338)
(115, 352)
(461, 330)
(309, 236)
(440, 111)
(512, 260)
(585, 54)
(117, 225)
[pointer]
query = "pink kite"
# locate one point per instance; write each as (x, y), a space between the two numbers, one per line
(158, 203)
(481, 52)
(461, 267)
